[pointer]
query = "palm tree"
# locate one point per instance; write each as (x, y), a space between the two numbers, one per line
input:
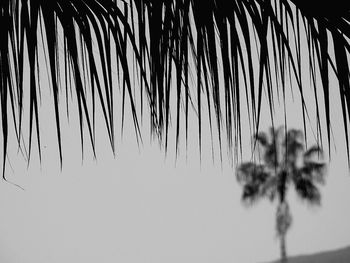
(284, 162)
(180, 48)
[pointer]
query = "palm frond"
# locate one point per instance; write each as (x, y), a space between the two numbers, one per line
(316, 171)
(269, 188)
(311, 152)
(249, 172)
(255, 180)
(307, 189)
(68, 31)
(238, 51)
(293, 145)
(262, 138)
(271, 156)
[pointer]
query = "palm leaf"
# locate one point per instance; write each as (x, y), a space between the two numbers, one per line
(307, 190)
(312, 151)
(262, 138)
(315, 171)
(258, 40)
(81, 24)
(256, 182)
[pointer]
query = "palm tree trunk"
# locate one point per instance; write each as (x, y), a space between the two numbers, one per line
(283, 248)
(283, 222)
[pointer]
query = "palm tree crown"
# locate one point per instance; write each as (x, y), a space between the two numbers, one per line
(284, 162)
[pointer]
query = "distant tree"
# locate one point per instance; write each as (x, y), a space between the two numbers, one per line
(284, 162)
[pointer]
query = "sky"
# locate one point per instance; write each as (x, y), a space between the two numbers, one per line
(143, 206)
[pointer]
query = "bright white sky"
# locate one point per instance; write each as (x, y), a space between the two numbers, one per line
(141, 207)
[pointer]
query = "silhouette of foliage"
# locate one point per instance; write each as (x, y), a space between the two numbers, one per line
(285, 162)
(232, 47)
